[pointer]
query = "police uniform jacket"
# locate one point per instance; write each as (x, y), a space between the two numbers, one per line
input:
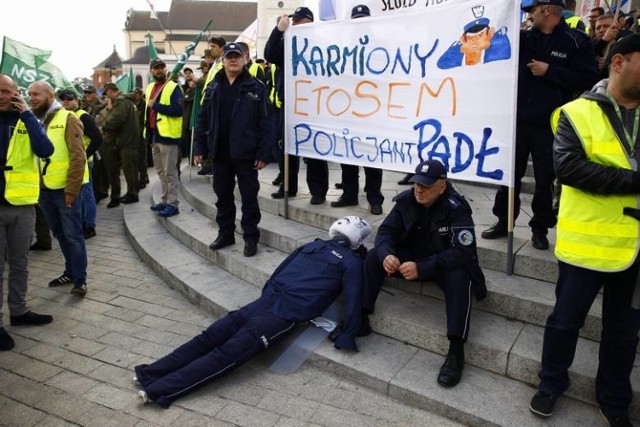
(311, 278)
(572, 69)
(441, 237)
(251, 135)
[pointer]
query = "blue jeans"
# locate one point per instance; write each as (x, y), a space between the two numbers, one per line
(88, 202)
(575, 292)
(66, 225)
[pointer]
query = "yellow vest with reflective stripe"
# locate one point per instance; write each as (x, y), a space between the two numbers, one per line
(23, 181)
(166, 126)
(210, 75)
(253, 69)
(85, 138)
(273, 94)
(592, 231)
(573, 21)
(55, 175)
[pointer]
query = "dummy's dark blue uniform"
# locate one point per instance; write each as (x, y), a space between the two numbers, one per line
(300, 289)
(441, 240)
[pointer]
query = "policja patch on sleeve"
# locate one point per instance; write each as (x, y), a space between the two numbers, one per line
(465, 237)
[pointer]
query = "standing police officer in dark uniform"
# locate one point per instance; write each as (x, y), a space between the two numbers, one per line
(234, 129)
(317, 170)
(556, 63)
(303, 286)
(429, 235)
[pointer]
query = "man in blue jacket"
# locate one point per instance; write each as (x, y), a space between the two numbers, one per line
(556, 64)
(429, 235)
(302, 287)
(234, 130)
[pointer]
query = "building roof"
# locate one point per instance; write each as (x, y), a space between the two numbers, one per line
(193, 15)
(112, 61)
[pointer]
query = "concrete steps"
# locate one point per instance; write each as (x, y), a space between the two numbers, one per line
(505, 342)
(403, 367)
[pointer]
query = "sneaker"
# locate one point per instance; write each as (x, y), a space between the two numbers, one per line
(158, 207)
(6, 342)
(616, 420)
(31, 318)
(79, 288)
(65, 279)
(168, 211)
(543, 403)
(142, 397)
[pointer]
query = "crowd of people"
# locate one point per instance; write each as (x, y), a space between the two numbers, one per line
(577, 119)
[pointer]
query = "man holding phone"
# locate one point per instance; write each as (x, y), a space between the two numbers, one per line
(22, 139)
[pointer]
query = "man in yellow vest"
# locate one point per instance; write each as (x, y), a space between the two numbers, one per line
(21, 140)
(163, 130)
(596, 159)
(63, 174)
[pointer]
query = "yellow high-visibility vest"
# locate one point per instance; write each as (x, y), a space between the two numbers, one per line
(79, 113)
(57, 166)
(592, 231)
(166, 126)
(23, 180)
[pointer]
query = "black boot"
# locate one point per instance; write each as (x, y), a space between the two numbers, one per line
(451, 370)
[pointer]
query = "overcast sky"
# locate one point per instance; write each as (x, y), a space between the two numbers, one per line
(80, 33)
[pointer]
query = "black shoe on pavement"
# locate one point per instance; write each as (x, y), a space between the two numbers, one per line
(113, 203)
(365, 326)
(88, 232)
(280, 195)
(65, 279)
(205, 171)
(129, 198)
(6, 342)
(338, 185)
(342, 202)
(79, 288)
(222, 242)
(250, 248)
(451, 370)
(405, 179)
(616, 420)
(31, 318)
(376, 209)
(278, 180)
(497, 230)
(39, 246)
(539, 240)
(318, 200)
(543, 403)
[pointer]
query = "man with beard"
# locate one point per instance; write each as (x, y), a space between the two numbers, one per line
(62, 177)
(163, 130)
(21, 140)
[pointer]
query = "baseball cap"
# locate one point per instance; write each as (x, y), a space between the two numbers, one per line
(527, 5)
(109, 86)
(156, 62)
(207, 52)
(89, 89)
(624, 45)
(67, 95)
(203, 64)
(232, 48)
(301, 13)
(429, 172)
(360, 11)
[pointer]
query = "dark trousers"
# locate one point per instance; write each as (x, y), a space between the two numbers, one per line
(294, 168)
(226, 344)
(575, 292)
(536, 141)
(372, 185)
(224, 182)
(455, 284)
(142, 161)
(317, 177)
(100, 178)
(125, 159)
(43, 234)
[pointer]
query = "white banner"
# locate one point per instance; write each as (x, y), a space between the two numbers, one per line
(388, 92)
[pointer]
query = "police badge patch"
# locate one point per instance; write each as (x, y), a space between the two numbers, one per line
(465, 237)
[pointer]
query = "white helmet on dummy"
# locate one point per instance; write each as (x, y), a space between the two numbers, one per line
(355, 229)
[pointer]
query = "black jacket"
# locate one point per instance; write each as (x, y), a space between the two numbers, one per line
(251, 135)
(572, 69)
(572, 166)
(450, 241)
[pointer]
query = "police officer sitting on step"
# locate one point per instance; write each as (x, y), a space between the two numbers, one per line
(429, 235)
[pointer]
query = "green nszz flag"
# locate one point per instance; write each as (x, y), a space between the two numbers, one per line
(187, 53)
(126, 83)
(26, 64)
(153, 53)
(195, 110)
